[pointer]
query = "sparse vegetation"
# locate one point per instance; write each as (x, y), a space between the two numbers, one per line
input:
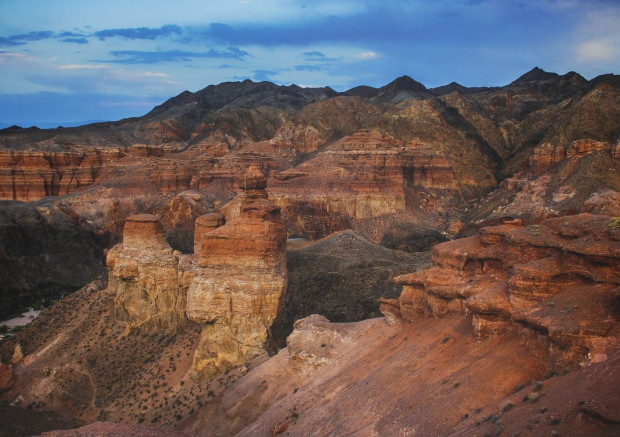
(613, 223)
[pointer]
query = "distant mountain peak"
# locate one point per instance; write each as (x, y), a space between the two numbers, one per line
(404, 83)
(536, 74)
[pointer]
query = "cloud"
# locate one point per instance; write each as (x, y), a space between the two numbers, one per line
(68, 35)
(139, 32)
(15, 40)
(83, 67)
(314, 54)
(154, 57)
(261, 75)
(365, 56)
(597, 39)
(316, 67)
(14, 57)
(27, 74)
(593, 51)
(80, 40)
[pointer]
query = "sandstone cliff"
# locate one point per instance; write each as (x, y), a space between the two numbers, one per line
(236, 292)
(556, 283)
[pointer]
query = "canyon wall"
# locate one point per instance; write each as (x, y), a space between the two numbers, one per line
(556, 283)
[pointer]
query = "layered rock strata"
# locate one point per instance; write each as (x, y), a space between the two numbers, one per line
(143, 274)
(362, 176)
(33, 175)
(557, 282)
(236, 291)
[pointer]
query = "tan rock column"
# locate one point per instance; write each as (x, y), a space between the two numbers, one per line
(143, 272)
(237, 291)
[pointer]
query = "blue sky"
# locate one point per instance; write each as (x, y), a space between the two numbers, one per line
(69, 61)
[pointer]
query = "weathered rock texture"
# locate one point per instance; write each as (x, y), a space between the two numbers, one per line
(6, 377)
(203, 225)
(236, 292)
(143, 275)
(363, 176)
(401, 165)
(232, 284)
(556, 282)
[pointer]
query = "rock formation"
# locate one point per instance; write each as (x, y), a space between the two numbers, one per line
(556, 282)
(203, 225)
(6, 377)
(236, 292)
(143, 275)
(364, 177)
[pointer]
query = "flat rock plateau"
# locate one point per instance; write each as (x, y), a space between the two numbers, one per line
(263, 260)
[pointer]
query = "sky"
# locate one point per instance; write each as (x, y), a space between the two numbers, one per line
(74, 61)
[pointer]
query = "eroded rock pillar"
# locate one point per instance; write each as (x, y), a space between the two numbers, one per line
(237, 291)
(143, 273)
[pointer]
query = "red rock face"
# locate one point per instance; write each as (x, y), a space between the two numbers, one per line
(6, 377)
(143, 231)
(544, 157)
(363, 176)
(557, 280)
(240, 282)
(203, 225)
(34, 175)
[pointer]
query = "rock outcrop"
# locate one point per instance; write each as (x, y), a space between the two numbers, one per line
(6, 377)
(232, 284)
(556, 282)
(143, 274)
(236, 292)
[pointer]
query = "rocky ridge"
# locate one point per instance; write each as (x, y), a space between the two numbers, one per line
(556, 282)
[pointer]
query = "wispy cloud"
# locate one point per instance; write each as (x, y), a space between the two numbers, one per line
(365, 56)
(314, 54)
(139, 32)
(15, 40)
(314, 67)
(80, 40)
(154, 57)
(83, 67)
(599, 50)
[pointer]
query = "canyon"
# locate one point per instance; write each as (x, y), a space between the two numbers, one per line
(255, 259)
